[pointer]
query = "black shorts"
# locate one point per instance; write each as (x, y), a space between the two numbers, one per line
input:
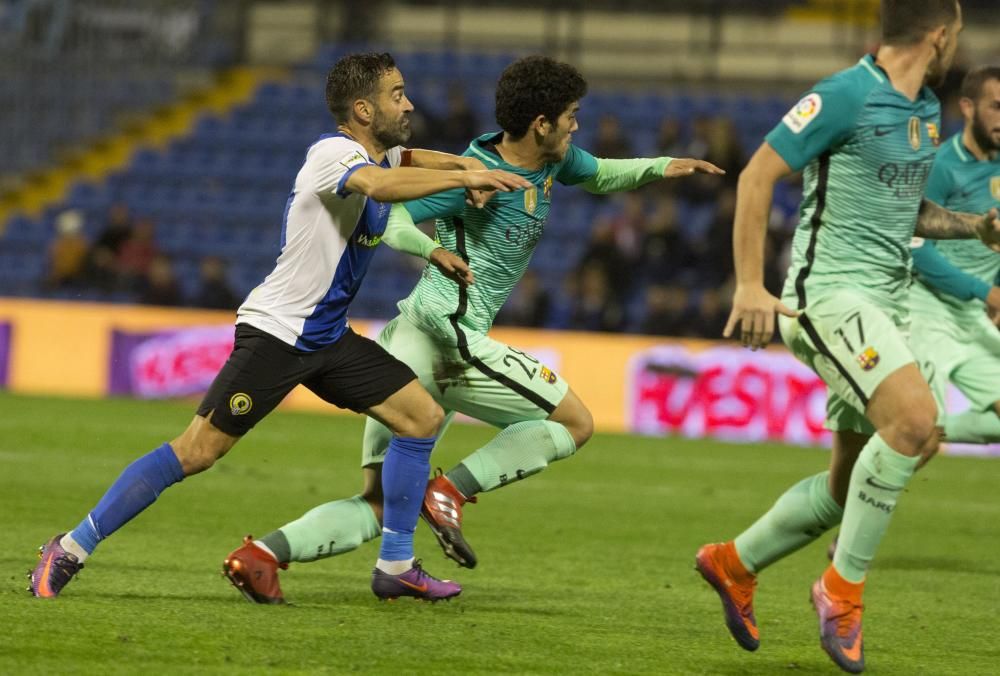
(354, 373)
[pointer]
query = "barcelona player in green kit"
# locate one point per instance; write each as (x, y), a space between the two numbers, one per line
(442, 332)
(956, 291)
(865, 139)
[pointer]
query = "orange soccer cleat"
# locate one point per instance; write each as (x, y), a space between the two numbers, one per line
(721, 567)
(254, 573)
(442, 510)
(838, 605)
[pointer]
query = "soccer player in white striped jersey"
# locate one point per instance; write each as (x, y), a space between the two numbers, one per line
(293, 328)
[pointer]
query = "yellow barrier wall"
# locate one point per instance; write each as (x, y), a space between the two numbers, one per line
(63, 348)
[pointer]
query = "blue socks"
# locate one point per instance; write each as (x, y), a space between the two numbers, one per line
(135, 490)
(404, 480)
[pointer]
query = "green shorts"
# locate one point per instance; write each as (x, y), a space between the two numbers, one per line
(487, 380)
(968, 356)
(852, 345)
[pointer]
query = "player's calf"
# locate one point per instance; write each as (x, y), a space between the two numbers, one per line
(201, 445)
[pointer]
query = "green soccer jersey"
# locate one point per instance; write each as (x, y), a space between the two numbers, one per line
(866, 151)
(497, 241)
(960, 182)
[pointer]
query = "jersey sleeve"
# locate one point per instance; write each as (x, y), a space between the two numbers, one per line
(823, 118)
(332, 163)
(939, 183)
(938, 272)
(438, 205)
(576, 167)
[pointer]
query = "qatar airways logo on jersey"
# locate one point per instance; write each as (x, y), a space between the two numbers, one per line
(525, 235)
(725, 392)
(907, 179)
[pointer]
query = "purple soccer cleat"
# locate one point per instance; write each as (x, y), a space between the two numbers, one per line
(839, 611)
(56, 567)
(415, 582)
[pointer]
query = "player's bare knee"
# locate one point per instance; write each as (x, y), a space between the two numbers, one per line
(429, 421)
(914, 429)
(581, 426)
(422, 422)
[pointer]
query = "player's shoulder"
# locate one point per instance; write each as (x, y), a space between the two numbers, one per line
(336, 148)
(851, 85)
(950, 152)
(482, 146)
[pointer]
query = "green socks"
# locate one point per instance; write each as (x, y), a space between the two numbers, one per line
(328, 530)
(518, 451)
(802, 514)
(973, 427)
(879, 476)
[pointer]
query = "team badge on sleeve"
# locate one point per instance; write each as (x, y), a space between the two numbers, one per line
(868, 359)
(933, 134)
(240, 404)
(548, 375)
(804, 112)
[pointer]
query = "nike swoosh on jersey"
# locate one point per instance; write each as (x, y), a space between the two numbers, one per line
(882, 130)
(875, 484)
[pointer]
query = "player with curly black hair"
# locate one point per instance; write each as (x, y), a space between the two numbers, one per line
(441, 331)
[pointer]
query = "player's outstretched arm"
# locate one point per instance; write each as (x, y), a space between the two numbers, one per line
(434, 159)
(402, 234)
(936, 222)
(408, 183)
(753, 307)
(938, 272)
(623, 175)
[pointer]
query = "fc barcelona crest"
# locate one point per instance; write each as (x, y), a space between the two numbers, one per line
(530, 200)
(933, 134)
(868, 359)
(914, 130)
(995, 188)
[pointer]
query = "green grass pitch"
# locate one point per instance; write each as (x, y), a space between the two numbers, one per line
(586, 568)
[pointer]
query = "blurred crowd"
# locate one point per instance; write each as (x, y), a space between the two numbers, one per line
(123, 260)
(657, 260)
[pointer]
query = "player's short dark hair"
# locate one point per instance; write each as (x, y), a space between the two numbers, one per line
(355, 77)
(533, 86)
(972, 83)
(906, 22)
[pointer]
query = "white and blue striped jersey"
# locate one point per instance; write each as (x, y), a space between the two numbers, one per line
(328, 238)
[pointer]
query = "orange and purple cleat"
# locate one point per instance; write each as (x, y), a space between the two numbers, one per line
(254, 573)
(56, 567)
(838, 605)
(415, 582)
(442, 510)
(721, 567)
